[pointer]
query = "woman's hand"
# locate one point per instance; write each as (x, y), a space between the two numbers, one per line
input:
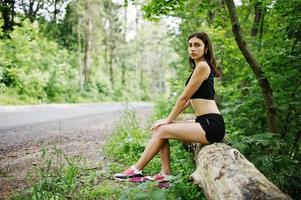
(159, 123)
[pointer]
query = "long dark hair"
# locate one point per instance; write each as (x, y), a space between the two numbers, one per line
(208, 54)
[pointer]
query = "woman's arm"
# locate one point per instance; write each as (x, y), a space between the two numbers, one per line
(187, 104)
(201, 73)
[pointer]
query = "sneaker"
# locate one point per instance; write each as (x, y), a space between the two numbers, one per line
(137, 179)
(164, 185)
(129, 173)
(140, 179)
(162, 178)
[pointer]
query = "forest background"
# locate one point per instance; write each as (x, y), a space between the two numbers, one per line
(55, 51)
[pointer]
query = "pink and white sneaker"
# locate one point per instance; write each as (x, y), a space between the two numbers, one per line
(162, 177)
(131, 172)
(163, 180)
(164, 185)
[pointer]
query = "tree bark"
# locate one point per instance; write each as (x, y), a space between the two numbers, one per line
(111, 43)
(88, 49)
(79, 51)
(256, 68)
(123, 74)
(123, 64)
(261, 28)
(224, 173)
(257, 18)
(111, 67)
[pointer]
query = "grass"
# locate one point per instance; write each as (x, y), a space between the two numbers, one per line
(126, 145)
(62, 177)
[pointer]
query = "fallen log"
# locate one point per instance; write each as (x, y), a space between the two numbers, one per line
(222, 172)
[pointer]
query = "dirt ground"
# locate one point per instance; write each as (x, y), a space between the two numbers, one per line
(88, 135)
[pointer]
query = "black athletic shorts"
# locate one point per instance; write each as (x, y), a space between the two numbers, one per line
(213, 125)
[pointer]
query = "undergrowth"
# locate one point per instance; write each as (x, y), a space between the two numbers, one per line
(59, 176)
(125, 147)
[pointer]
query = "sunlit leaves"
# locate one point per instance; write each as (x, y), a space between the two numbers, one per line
(157, 8)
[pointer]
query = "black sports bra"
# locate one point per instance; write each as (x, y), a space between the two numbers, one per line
(206, 89)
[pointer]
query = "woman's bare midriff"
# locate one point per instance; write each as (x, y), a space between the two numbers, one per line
(203, 106)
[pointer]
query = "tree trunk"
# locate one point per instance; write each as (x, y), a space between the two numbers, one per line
(88, 48)
(256, 68)
(261, 28)
(111, 44)
(79, 50)
(111, 68)
(123, 73)
(224, 173)
(123, 64)
(31, 8)
(55, 10)
(125, 23)
(12, 7)
(257, 18)
(30, 11)
(137, 53)
(7, 10)
(105, 43)
(211, 16)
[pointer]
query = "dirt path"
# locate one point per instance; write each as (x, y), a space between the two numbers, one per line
(77, 136)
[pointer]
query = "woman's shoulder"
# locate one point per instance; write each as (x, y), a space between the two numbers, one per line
(203, 66)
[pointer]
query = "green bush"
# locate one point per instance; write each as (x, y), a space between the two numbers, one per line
(36, 67)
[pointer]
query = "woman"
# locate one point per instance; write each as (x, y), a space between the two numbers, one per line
(199, 93)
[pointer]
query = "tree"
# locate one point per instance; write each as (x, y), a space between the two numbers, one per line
(86, 18)
(256, 68)
(7, 8)
(258, 14)
(31, 8)
(278, 39)
(113, 35)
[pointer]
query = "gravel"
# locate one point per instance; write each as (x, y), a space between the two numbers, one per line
(20, 146)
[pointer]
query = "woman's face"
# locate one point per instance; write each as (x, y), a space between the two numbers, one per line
(196, 48)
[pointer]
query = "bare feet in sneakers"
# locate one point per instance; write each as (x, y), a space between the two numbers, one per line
(131, 172)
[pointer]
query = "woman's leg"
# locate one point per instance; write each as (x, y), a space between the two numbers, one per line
(165, 153)
(165, 158)
(191, 132)
(152, 148)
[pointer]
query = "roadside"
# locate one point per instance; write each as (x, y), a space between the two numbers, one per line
(80, 136)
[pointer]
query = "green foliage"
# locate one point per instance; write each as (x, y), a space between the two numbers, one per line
(144, 191)
(129, 138)
(156, 8)
(44, 60)
(163, 107)
(277, 49)
(36, 67)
